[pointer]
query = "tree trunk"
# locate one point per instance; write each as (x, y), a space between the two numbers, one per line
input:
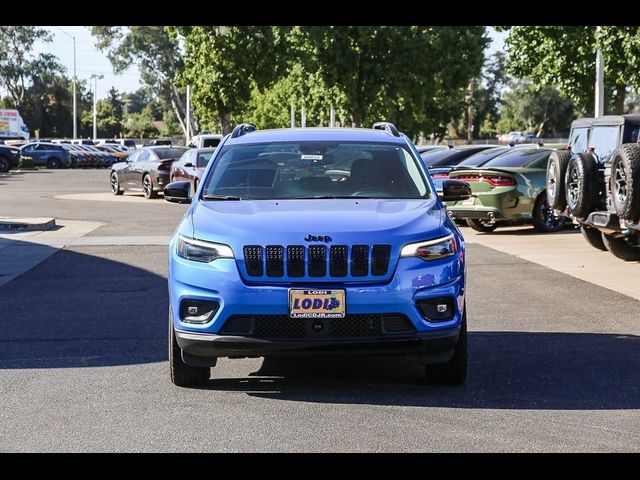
(176, 110)
(618, 100)
(470, 113)
(225, 120)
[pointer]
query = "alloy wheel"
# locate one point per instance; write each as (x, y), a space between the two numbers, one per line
(573, 187)
(620, 182)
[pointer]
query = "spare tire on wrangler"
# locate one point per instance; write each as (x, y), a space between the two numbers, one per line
(625, 181)
(581, 185)
(556, 171)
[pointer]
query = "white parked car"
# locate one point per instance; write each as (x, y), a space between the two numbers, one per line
(512, 138)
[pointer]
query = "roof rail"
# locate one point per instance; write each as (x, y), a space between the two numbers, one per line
(387, 127)
(242, 129)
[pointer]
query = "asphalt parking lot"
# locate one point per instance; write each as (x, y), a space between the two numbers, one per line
(554, 355)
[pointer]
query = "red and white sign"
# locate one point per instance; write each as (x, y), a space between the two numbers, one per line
(9, 113)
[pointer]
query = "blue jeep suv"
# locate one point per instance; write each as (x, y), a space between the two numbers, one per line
(316, 240)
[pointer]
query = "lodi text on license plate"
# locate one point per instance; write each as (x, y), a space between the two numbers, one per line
(316, 303)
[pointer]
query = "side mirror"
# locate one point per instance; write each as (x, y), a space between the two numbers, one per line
(178, 192)
(454, 191)
(188, 164)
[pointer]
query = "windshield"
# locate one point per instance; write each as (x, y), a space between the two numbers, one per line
(315, 170)
(449, 157)
(481, 158)
(535, 158)
(164, 153)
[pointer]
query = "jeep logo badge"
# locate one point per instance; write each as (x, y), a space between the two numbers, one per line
(318, 238)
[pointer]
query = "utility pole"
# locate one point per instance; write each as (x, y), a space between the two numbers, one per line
(188, 114)
(75, 79)
(332, 117)
(599, 103)
(293, 116)
(303, 119)
(95, 107)
(470, 113)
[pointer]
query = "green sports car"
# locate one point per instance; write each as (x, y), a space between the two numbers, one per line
(508, 190)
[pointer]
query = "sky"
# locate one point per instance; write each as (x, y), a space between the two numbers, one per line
(90, 60)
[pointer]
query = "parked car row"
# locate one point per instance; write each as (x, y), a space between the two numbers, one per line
(507, 185)
(67, 155)
(596, 180)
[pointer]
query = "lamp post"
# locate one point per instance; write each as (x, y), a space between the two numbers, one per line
(75, 107)
(95, 109)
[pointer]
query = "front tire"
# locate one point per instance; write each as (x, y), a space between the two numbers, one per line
(115, 184)
(593, 236)
(622, 248)
(544, 220)
(5, 164)
(147, 187)
(453, 372)
(482, 225)
(182, 375)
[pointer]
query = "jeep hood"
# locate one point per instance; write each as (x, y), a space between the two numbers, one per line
(289, 222)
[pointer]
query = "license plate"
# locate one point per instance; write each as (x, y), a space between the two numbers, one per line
(468, 201)
(316, 303)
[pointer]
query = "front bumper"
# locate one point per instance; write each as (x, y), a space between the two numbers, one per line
(412, 280)
(205, 345)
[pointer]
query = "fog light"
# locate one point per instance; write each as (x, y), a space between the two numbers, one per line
(436, 309)
(197, 311)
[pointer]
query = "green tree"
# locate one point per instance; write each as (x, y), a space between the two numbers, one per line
(544, 111)
(222, 65)
(270, 107)
(157, 54)
(140, 125)
(134, 102)
(565, 56)
(412, 76)
(17, 62)
(487, 96)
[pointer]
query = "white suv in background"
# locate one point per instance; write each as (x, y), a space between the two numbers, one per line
(208, 140)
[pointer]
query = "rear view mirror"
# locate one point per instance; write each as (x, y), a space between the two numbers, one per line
(188, 164)
(178, 192)
(454, 191)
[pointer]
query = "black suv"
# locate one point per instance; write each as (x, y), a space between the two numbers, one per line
(9, 158)
(597, 180)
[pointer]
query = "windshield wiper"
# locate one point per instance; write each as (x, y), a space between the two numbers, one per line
(317, 197)
(221, 197)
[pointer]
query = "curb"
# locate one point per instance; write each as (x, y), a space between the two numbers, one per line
(26, 225)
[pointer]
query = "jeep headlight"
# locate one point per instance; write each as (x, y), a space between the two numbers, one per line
(201, 251)
(431, 249)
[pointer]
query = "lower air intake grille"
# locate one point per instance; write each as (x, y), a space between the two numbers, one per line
(352, 326)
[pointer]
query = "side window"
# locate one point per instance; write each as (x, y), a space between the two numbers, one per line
(133, 157)
(604, 141)
(42, 147)
(193, 157)
(578, 141)
(631, 134)
(143, 156)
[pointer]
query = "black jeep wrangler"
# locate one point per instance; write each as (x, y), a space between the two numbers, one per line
(596, 180)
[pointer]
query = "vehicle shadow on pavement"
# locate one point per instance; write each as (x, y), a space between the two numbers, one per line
(507, 370)
(530, 231)
(80, 310)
